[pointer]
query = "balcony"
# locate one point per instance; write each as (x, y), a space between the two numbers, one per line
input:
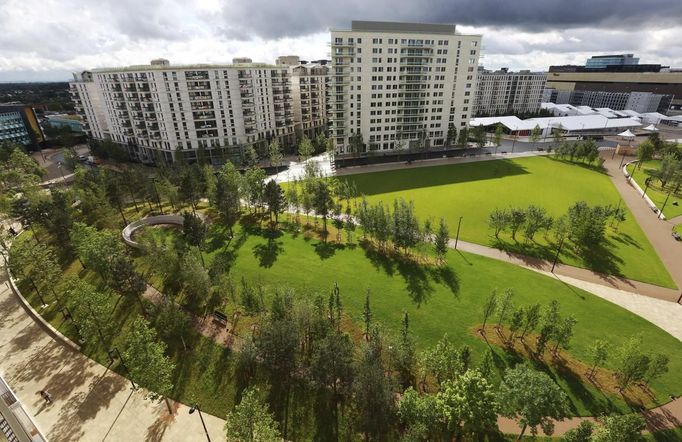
(197, 76)
(199, 87)
(202, 105)
(200, 96)
(248, 103)
(146, 97)
(204, 125)
(341, 44)
(204, 116)
(246, 95)
(244, 76)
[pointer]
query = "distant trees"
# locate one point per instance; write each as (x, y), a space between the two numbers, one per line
(585, 151)
(528, 220)
(305, 148)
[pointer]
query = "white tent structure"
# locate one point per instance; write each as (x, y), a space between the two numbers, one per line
(651, 128)
(627, 134)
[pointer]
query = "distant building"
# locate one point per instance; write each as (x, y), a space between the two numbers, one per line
(19, 124)
(400, 84)
(638, 101)
(603, 61)
(308, 90)
(505, 92)
(59, 121)
(288, 60)
(651, 78)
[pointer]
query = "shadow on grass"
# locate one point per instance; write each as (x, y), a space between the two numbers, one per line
(419, 278)
(267, 252)
(594, 167)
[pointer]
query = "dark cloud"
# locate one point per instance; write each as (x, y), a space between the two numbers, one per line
(277, 18)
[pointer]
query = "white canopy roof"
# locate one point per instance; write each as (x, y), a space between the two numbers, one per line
(628, 134)
(510, 122)
(651, 127)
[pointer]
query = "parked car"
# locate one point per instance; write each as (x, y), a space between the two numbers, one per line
(82, 158)
(677, 236)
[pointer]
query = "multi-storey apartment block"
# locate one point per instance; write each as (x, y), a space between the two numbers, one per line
(158, 109)
(308, 89)
(400, 84)
(504, 92)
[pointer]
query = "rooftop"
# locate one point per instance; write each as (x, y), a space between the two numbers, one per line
(179, 67)
(385, 26)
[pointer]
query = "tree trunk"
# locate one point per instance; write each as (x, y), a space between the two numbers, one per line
(170, 410)
(523, 430)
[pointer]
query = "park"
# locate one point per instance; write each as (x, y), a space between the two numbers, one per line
(302, 295)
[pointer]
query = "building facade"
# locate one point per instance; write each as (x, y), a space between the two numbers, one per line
(504, 92)
(159, 109)
(308, 90)
(400, 85)
(19, 124)
(602, 61)
(641, 102)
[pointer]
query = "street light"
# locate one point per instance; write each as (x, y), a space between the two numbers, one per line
(660, 212)
(194, 408)
(556, 257)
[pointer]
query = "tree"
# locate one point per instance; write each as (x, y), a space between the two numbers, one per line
(563, 333)
(631, 363)
(420, 414)
(479, 135)
(367, 315)
(505, 305)
(628, 427)
(645, 152)
(405, 225)
(91, 311)
(254, 187)
(582, 433)
(587, 225)
(441, 240)
(146, 361)
(322, 201)
(305, 148)
(463, 137)
(598, 353)
(194, 231)
(536, 219)
(355, 143)
(531, 319)
(558, 136)
(517, 218)
(516, 322)
(441, 360)
(532, 398)
(670, 168)
(227, 196)
(498, 221)
(497, 138)
(251, 421)
(658, 366)
(489, 307)
(535, 134)
(469, 405)
(250, 156)
(403, 354)
(451, 135)
(276, 156)
(274, 198)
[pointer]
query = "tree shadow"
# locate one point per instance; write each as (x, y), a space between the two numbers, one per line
(326, 250)
(267, 253)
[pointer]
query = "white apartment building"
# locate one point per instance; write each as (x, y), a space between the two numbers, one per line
(398, 82)
(504, 92)
(157, 109)
(308, 91)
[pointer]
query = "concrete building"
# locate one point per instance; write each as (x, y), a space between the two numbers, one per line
(19, 124)
(602, 61)
(308, 91)
(397, 83)
(637, 101)
(504, 92)
(654, 79)
(159, 109)
(288, 60)
(72, 122)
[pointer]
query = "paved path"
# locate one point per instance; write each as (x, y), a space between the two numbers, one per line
(658, 231)
(91, 403)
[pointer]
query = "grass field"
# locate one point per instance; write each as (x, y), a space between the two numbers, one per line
(473, 190)
(655, 192)
(445, 300)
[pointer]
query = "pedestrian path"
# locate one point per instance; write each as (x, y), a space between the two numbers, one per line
(91, 403)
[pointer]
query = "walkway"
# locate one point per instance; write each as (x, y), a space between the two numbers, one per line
(658, 231)
(91, 403)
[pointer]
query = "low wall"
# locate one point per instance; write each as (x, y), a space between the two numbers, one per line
(130, 229)
(634, 184)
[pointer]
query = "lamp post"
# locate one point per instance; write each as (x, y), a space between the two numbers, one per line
(113, 353)
(556, 257)
(660, 212)
(459, 224)
(194, 408)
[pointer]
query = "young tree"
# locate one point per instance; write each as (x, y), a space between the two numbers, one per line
(531, 319)
(250, 156)
(616, 428)
(515, 322)
(489, 307)
(505, 306)
(276, 156)
(254, 187)
(582, 433)
(532, 398)
(367, 315)
(356, 143)
(535, 134)
(91, 311)
(403, 355)
(305, 149)
(536, 219)
(227, 196)
(517, 218)
(146, 361)
(463, 137)
(251, 421)
(598, 353)
(274, 198)
(497, 138)
(469, 405)
(658, 366)
(194, 230)
(563, 333)
(645, 152)
(631, 363)
(322, 201)
(451, 135)
(441, 360)
(441, 240)
(420, 414)
(479, 135)
(405, 225)
(558, 136)
(499, 221)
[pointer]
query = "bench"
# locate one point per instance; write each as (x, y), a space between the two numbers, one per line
(220, 318)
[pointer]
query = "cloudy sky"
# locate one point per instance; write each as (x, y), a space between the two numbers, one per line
(43, 40)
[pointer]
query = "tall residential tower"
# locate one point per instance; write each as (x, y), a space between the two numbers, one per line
(400, 84)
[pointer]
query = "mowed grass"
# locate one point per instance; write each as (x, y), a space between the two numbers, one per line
(439, 300)
(655, 192)
(473, 190)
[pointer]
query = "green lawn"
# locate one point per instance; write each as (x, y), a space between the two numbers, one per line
(655, 191)
(473, 190)
(445, 300)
